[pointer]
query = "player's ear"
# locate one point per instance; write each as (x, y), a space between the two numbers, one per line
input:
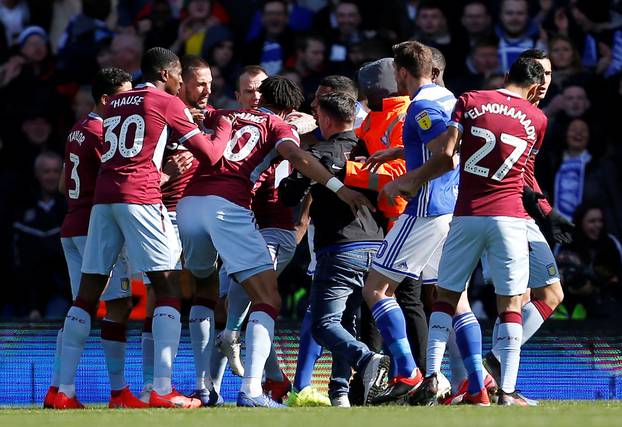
(164, 75)
(104, 99)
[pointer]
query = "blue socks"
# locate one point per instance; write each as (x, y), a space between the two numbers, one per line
(309, 352)
(469, 340)
(392, 325)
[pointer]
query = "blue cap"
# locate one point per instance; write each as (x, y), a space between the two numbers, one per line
(33, 30)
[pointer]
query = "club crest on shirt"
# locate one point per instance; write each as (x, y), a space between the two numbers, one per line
(424, 121)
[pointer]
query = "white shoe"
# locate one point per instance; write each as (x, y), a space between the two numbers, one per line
(340, 401)
(231, 350)
(145, 394)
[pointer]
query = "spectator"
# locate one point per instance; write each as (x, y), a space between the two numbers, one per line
(516, 32)
(164, 25)
(274, 48)
(310, 55)
(494, 81)
(200, 30)
(591, 267)
(482, 62)
(347, 32)
(127, 50)
(221, 94)
(476, 21)
(41, 271)
(565, 62)
(571, 175)
(14, 15)
(222, 55)
(82, 103)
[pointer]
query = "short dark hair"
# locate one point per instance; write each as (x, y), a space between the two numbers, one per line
(526, 72)
(339, 106)
(438, 59)
(251, 70)
(302, 42)
(534, 54)
(415, 57)
(189, 63)
(280, 92)
(107, 81)
(155, 60)
(430, 4)
(341, 84)
(265, 2)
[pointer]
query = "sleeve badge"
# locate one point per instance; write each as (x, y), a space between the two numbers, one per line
(423, 120)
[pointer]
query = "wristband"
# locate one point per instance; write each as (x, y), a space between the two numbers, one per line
(334, 184)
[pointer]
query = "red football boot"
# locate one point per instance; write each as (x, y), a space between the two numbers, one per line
(125, 399)
(62, 401)
(478, 399)
(48, 402)
(173, 400)
(277, 390)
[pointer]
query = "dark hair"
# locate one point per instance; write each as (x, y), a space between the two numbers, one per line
(526, 72)
(430, 4)
(470, 2)
(107, 81)
(189, 63)
(251, 70)
(302, 42)
(281, 93)
(265, 2)
(340, 84)
(155, 60)
(438, 59)
(485, 42)
(415, 57)
(339, 106)
(534, 54)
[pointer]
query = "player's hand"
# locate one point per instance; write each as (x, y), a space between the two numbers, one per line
(530, 203)
(355, 200)
(400, 187)
(177, 165)
(380, 157)
(197, 115)
(561, 228)
(302, 122)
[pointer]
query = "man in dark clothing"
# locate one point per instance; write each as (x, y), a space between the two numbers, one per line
(345, 244)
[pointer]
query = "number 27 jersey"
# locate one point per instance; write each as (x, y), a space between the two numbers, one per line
(499, 129)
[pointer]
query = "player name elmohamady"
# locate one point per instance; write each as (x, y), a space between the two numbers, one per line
(127, 100)
(495, 108)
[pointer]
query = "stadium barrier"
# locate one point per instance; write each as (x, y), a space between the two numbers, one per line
(566, 360)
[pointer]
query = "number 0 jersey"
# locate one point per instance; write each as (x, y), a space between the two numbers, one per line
(136, 129)
(250, 151)
(82, 159)
(500, 130)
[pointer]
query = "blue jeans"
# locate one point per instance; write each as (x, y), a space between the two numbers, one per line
(336, 297)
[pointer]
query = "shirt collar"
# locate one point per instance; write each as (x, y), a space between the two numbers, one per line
(509, 93)
(421, 88)
(94, 115)
(146, 84)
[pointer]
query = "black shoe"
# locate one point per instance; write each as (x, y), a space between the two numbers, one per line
(493, 366)
(355, 394)
(428, 393)
(514, 399)
(375, 376)
(398, 390)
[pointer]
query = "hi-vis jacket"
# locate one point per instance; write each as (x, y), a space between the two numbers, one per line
(381, 130)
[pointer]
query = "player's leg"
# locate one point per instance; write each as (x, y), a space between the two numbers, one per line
(202, 336)
(238, 304)
(336, 276)
(218, 361)
(146, 343)
(459, 257)
(508, 257)
(101, 250)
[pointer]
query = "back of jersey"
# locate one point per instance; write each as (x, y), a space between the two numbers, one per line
(499, 130)
(250, 151)
(136, 129)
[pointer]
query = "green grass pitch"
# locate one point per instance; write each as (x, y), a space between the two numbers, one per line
(548, 414)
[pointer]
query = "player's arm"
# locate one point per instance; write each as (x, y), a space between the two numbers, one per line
(310, 167)
(206, 148)
(380, 157)
(304, 218)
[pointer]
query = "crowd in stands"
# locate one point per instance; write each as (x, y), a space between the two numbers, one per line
(50, 50)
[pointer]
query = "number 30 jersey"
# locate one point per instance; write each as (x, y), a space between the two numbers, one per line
(83, 151)
(137, 125)
(251, 150)
(499, 129)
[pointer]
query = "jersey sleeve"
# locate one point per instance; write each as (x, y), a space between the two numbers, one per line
(281, 132)
(458, 113)
(428, 121)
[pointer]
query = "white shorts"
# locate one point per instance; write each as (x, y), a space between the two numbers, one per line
(119, 284)
(504, 239)
(413, 248)
(281, 245)
(210, 226)
(542, 266)
(146, 231)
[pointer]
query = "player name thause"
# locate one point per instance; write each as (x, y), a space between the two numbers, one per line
(127, 100)
(512, 112)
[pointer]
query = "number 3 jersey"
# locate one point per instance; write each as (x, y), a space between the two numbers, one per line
(83, 151)
(137, 126)
(500, 130)
(250, 151)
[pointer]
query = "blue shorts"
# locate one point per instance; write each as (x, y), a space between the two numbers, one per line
(281, 245)
(504, 239)
(211, 226)
(119, 283)
(145, 230)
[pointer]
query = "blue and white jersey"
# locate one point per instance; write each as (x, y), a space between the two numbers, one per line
(427, 117)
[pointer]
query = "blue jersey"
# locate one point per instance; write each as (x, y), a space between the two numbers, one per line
(427, 117)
